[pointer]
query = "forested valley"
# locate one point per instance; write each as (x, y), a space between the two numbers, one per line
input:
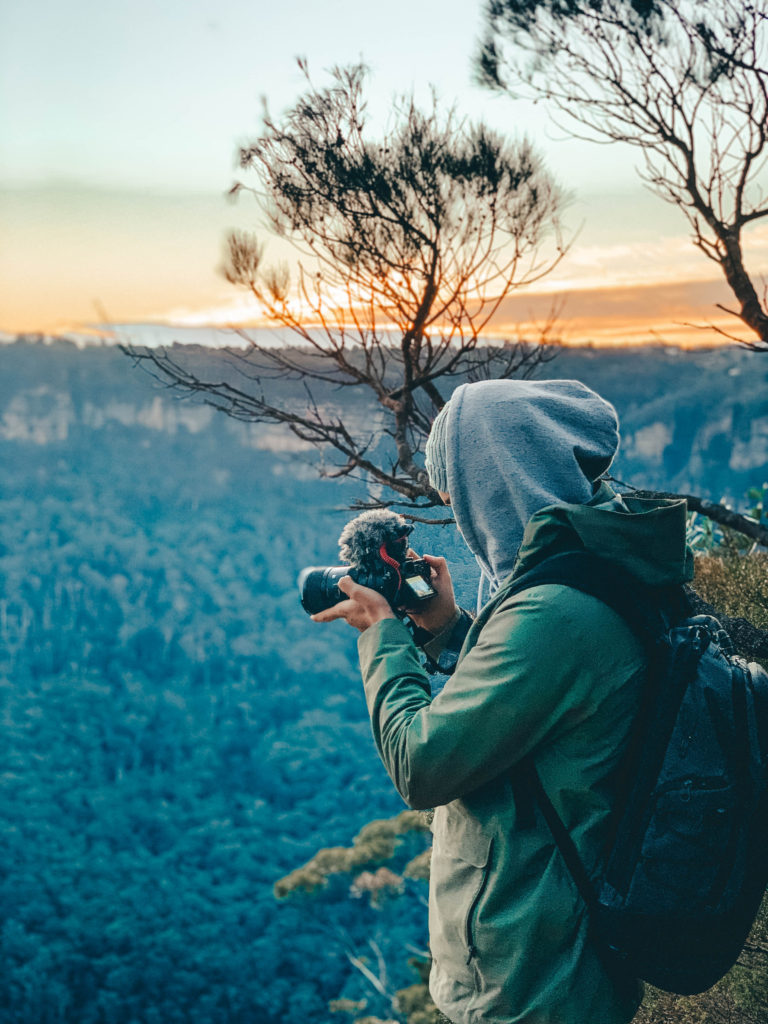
(177, 735)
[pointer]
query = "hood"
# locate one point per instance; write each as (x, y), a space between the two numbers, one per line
(510, 448)
(645, 537)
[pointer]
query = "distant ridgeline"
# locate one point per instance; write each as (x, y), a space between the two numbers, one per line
(691, 420)
(177, 735)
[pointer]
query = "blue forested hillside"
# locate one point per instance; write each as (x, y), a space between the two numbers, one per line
(176, 734)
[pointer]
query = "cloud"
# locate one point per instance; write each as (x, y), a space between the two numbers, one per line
(678, 312)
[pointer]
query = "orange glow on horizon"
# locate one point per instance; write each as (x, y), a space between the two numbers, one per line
(74, 260)
(682, 314)
(613, 316)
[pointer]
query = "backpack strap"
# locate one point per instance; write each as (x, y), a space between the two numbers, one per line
(529, 777)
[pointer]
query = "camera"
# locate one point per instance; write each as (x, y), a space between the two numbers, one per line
(374, 546)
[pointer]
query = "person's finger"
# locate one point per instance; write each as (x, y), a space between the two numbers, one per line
(347, 585)
(337, 611)
(436, 561)
(438, 567)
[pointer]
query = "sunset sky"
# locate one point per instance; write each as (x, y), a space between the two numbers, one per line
(120, 124)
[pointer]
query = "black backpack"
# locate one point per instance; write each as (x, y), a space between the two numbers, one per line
(687, 862)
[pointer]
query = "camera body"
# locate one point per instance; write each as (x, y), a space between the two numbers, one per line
(374, 545)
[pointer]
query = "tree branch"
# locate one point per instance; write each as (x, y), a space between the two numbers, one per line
(683, 82)
(719, 514)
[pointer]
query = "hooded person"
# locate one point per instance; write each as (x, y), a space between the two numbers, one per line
(505, 449)
(549, 673)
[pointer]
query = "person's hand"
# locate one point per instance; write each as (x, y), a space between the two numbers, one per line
(435, 614)
(363, 608)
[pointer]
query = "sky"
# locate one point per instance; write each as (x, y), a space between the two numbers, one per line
(120, 125)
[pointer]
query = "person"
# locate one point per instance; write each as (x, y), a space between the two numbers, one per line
(550, 673)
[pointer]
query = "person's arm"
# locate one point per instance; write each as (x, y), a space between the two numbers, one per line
(531, 671)
(443, 650)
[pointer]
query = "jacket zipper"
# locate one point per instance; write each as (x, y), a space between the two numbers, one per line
(471, 949)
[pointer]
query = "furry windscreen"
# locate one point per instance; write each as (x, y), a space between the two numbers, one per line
(361, 538)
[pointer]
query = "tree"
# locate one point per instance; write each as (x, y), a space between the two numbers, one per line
(397, 862)
(684, 81)
(408, 246)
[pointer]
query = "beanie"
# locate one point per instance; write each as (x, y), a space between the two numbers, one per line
(436, 451)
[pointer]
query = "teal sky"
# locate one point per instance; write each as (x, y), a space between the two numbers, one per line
(120, 123)
(159, 94)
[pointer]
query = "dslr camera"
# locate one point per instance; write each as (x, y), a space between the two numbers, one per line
(374, 546)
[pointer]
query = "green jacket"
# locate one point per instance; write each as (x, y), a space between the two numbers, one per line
(552, 672)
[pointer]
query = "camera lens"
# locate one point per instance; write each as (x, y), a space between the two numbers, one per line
(318, 587)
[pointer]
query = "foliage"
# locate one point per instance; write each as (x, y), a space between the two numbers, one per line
(176, 735)
(707, 535)
(409, 244)
(376, 843)
(703, 535)
(759, 510)
(684, 82)
(392, 850)
(415, 1005)
(735, 583)
(379, 844)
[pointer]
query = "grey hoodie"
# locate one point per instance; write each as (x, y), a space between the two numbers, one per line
(509, 448)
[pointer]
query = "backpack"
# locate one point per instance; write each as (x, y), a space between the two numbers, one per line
(686, 864)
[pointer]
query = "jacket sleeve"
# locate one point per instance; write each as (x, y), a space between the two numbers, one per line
(535, 669)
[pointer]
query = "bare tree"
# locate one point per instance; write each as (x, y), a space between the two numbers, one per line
(684, 81)
(408, 245)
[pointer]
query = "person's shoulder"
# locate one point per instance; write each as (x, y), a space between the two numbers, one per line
(557, 631)
(555, 607)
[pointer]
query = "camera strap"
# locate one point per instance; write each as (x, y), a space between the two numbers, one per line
(392, 562)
